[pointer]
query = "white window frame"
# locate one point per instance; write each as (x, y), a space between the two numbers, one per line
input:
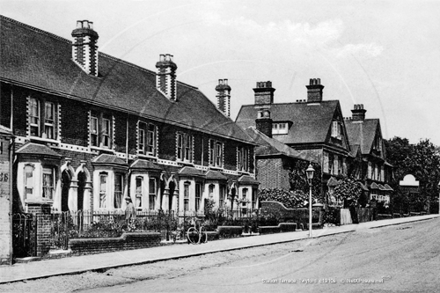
(101, 130)
(41, 125)
(198, 197)
(49, 122)
(119, 181)
(152, 192)
(147, 138)
(46, 188)
(216, 156)
(139, 192)
(29, 184)
(186, 195)
(280, 128)
(243, 159)
(103, 190)
(184, 147)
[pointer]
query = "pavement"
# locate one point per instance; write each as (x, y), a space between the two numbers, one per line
(105, 261)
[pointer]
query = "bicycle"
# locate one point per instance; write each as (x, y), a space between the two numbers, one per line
(195, 236)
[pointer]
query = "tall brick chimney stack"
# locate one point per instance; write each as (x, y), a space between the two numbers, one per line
(264, 122)
(358, 113)
(264, 93)
(224, 97)
(166, 81)
(84, 47)
(314, 91)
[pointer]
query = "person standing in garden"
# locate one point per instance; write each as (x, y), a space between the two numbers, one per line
(130, 211)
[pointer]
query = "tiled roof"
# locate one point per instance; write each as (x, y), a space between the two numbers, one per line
(108, 159)
(215, 175)
(246, 179)
(191, 171)
(37, 149)
(42, 61)
(310, 121)
(362, 133)
(271, 147)
(145, 165)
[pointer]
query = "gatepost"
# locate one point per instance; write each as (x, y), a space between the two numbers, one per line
(5, 196)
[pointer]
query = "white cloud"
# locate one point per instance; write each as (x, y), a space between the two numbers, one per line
(359, 50)
(324, 36)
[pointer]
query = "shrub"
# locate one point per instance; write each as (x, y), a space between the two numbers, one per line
(290, 199)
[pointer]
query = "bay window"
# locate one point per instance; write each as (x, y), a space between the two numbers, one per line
(103, 189)
(119, 189)
(138, 194)
(48, 183)
(186, 196)
(152, 193)
(198, 196)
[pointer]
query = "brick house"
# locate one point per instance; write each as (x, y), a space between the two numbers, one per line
(314, 127)
(92, 129)
(372, 169)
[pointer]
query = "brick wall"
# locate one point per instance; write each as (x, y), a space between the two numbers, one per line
(126, 242)
(5, 192)
(296, 215)
(42, 212)
(272, 173)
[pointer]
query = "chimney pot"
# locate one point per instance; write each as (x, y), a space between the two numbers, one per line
(314, 90)
(225, 81)
(84, 47)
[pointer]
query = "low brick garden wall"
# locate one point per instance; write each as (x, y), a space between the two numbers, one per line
(126, 241)
(282, 227)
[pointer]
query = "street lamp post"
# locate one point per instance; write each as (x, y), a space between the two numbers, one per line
(310, 171)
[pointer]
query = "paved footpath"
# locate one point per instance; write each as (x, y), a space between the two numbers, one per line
(103, 261)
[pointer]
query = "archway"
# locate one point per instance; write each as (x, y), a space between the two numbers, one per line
(82, 179)
(66, 179)
(172, 188)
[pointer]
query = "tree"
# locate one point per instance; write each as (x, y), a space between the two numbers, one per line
(421, 160)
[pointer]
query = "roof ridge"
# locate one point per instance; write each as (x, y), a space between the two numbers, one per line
(49, 34)
(37, 30)
(290, 103)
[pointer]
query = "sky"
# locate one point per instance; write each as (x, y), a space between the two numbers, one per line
(382, 54)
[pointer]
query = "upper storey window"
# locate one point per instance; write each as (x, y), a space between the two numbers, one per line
(215, 153)
(147, 139)
(43, 120)
(243, 159)
(337, 129)
(101, 130)
(184, 147)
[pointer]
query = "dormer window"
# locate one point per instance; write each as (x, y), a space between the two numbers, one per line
(336, 129)
(280, 128)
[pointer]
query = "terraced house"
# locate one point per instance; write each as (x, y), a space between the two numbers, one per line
(91, 129)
